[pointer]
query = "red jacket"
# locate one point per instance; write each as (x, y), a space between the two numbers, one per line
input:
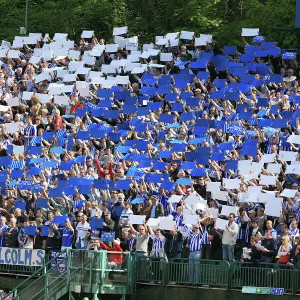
(114, 257)
(101, 171)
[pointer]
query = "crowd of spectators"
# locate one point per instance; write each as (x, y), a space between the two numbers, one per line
(92, 134)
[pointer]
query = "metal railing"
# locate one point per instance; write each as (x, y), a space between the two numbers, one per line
(116, 272)
(218, 274)
(92, 270)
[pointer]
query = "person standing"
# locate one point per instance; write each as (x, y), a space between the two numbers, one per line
(81, 230)
(142, 239)
(229, 238)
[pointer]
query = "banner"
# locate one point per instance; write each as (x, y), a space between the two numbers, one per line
(60, 262)
(24, 257)
(297, 22)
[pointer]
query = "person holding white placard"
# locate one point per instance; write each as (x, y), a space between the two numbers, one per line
(141, 252)
(229, 238)
(196, 242)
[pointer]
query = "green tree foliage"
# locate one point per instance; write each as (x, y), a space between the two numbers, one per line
(223, 18)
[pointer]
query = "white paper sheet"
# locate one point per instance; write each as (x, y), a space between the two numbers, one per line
(12, 127)
(87, 34)
(175, 198)
(231, 183)
(250, 31)
(212, 186)
(18, 149)
(267, 180)
(166, 224)
(287, 155)
(190, 219)
(166, 56)
(187, 35)
(268, 158)
(193, 199)
(221, 224)
(226, 210)
(288, 193)
(274, 168)
(274, 208)
(120, 30)
(134, 219)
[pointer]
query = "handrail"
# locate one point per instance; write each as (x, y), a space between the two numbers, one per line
(39, 271)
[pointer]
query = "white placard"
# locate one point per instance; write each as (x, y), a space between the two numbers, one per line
(4, 108)
(190, 219)
(244, 165)
(153, 52)
(268, 158)
(274, 168)
(60, 36)
(167, 224)
(274, 208)
(293, 169)
(162, 42)
(214, 212)
(166, 56)
(265, 197)
(74, 54)
(122, 80)
(212, 186)
(147, 46)
(175, 198)
(174, 43)
(43, 76)
(221, 224)
(187, 35)
(287, 155)
(44, 98)
(231, 183)
(12, 127)
(243, 197)
(27, 95)
(120, 30)
(294, 139)
(69, 78)
(13, 101)
(219, 195)
(254, 189)
(63, 100)
(137, 70)
(153, 222)
(134, 219)
(227, 210)
(18, 149)
(82, 71)
(87, 34)
(13, 54)
(84, 92)
(172, 35)
(250, 31)
(17, 44)
(288, 193)
(267, 180)
(34, 60)
(111, 48)
(193, 199)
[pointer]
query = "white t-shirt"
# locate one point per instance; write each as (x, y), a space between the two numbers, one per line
(82, 230)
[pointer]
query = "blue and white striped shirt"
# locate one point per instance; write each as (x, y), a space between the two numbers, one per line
(158, 246)
(196, 240)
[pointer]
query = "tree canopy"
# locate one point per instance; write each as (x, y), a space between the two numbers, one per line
(222, 18)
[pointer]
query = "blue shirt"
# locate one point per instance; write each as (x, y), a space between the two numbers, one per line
(4, 228)
(153, 211)
(67, 237)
